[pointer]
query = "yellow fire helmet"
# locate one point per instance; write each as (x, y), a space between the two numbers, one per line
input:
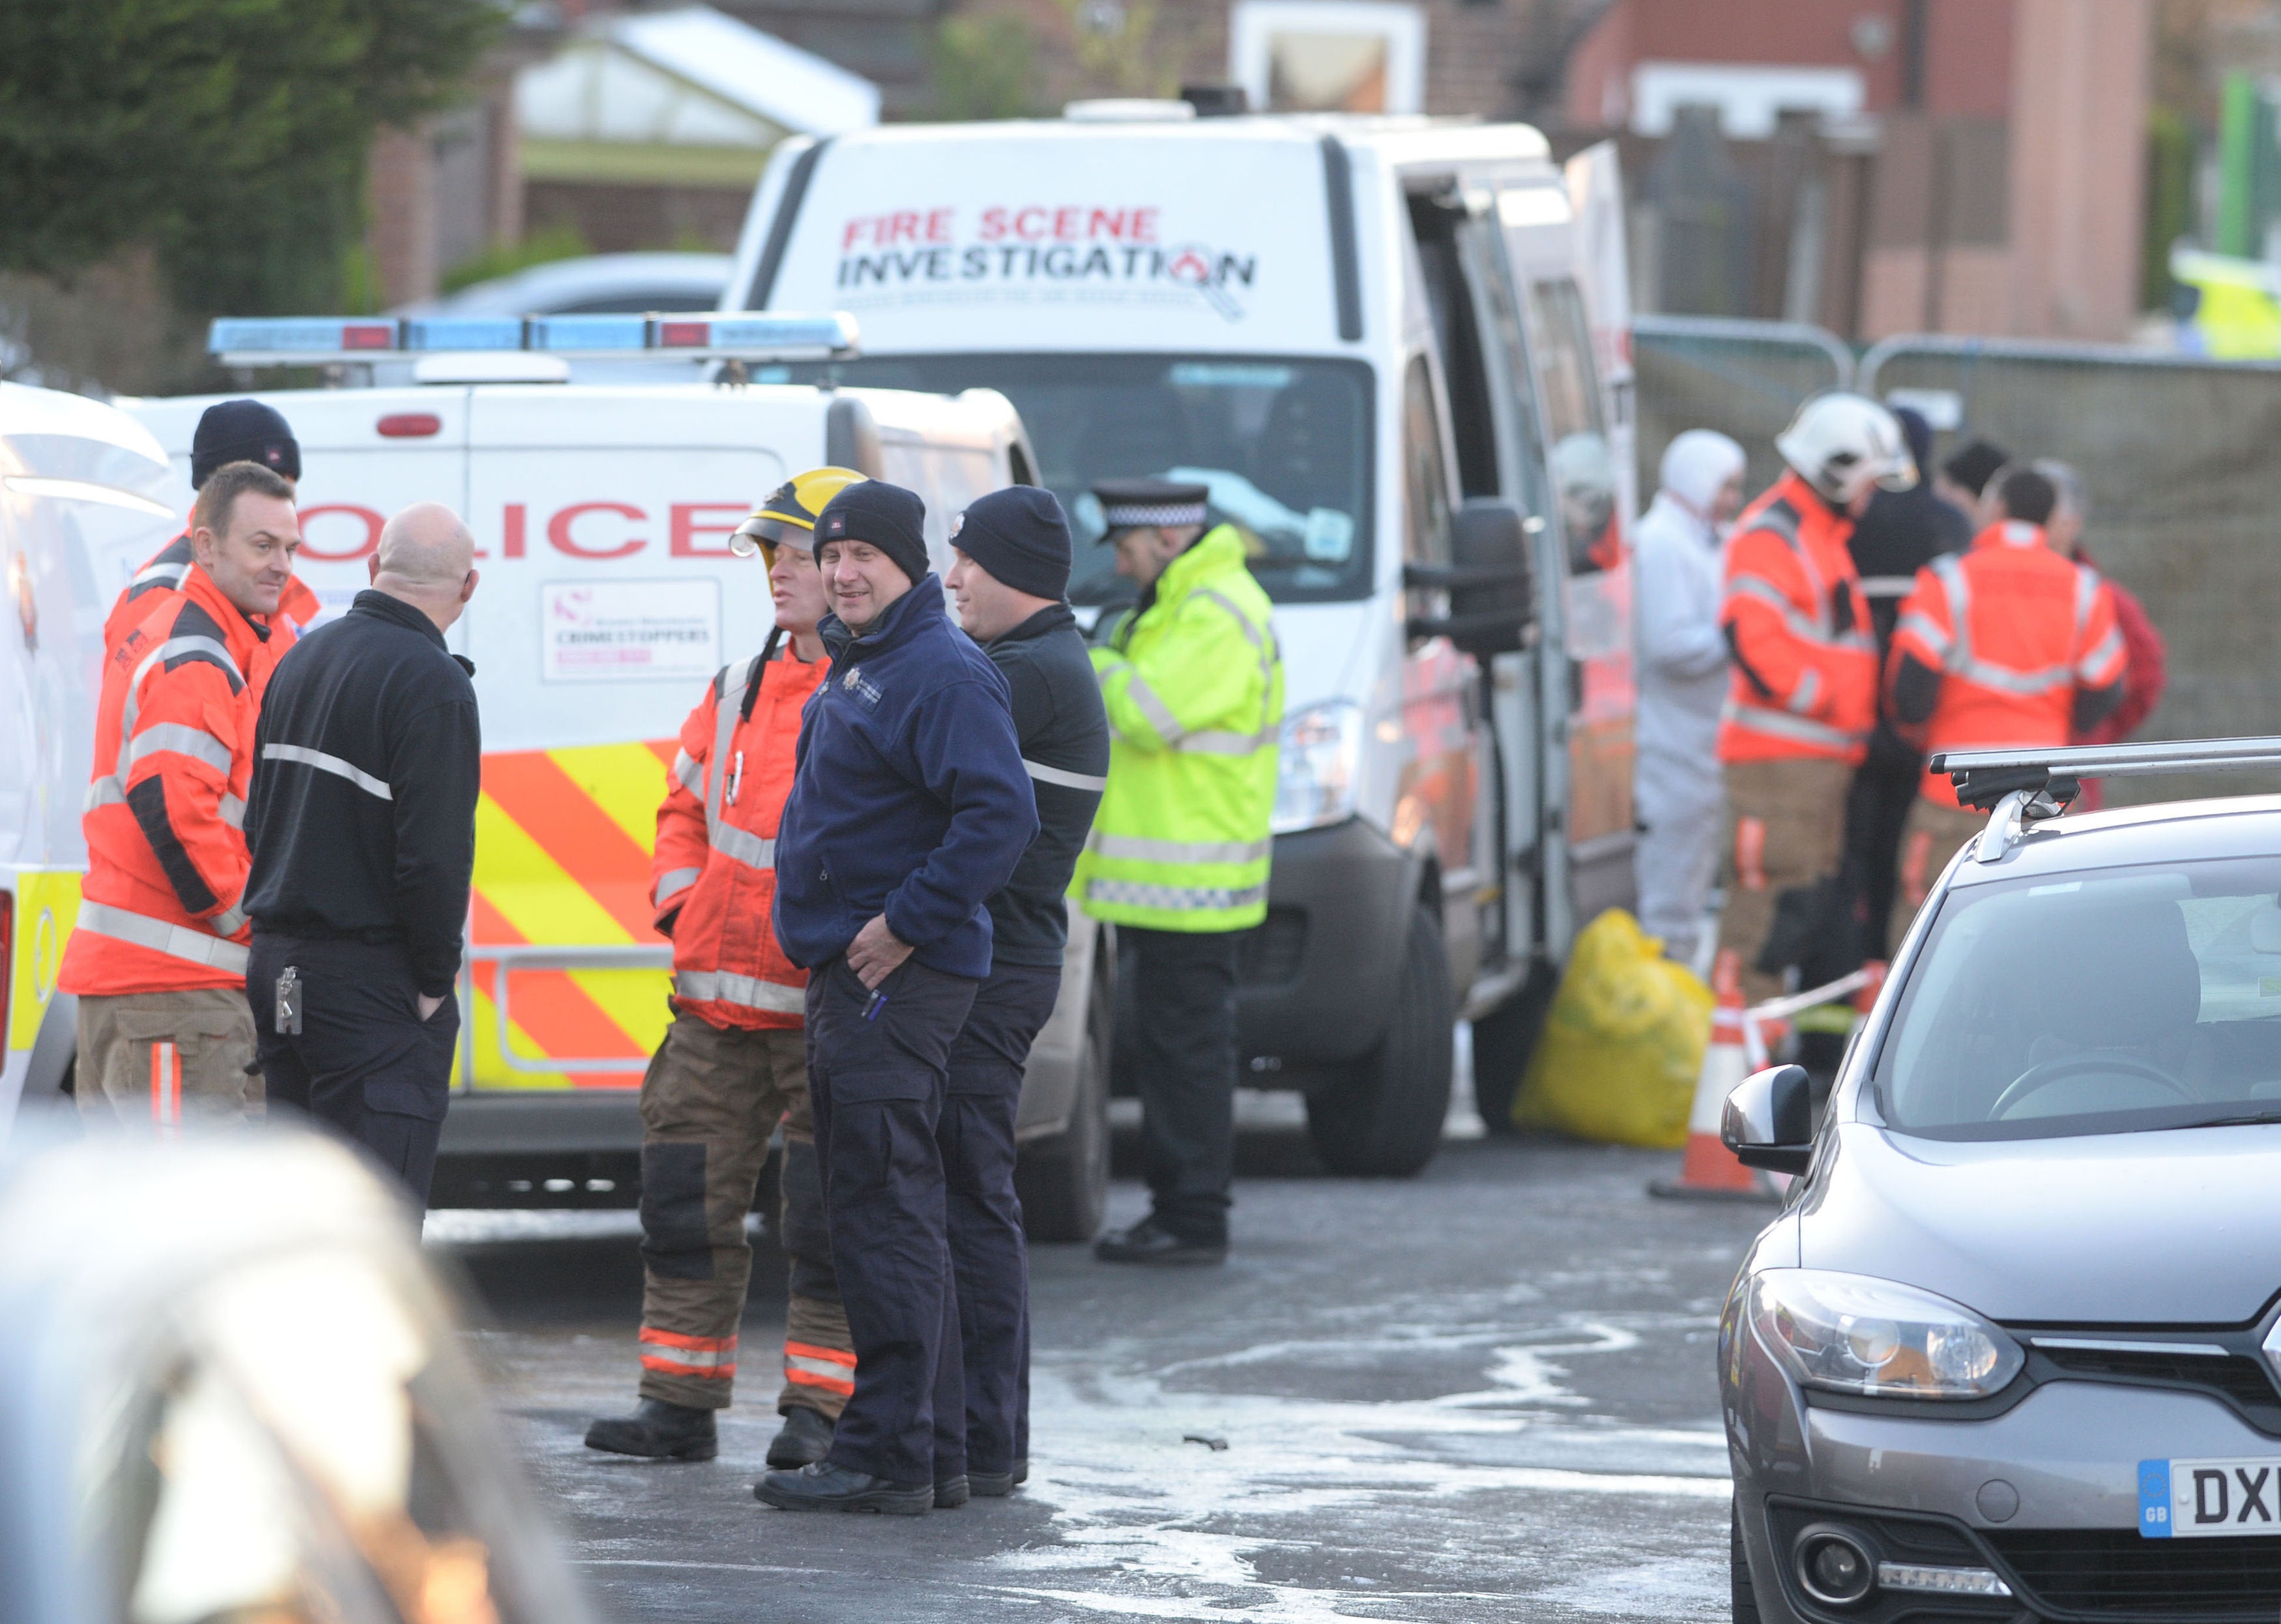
(788, 517)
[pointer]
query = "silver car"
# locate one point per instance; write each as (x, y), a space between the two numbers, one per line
(2011, 1349)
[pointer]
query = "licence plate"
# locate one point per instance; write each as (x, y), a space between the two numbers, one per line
(2203, 1499)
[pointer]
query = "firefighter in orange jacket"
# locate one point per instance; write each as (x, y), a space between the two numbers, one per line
(733, 1064)
(1802, 691)
(158, 958)
(2007, 644)
(230, 431)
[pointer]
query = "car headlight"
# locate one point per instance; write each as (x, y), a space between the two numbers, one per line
(1856, 1334)
(1318, 772)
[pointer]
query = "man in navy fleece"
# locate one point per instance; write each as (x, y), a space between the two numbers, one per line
(909, 806)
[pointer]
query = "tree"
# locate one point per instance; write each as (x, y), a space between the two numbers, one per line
(229, 136)
(982, 66)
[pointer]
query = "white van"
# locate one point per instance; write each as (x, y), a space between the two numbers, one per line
(86, 496)
(1397, 352)
(609, 599)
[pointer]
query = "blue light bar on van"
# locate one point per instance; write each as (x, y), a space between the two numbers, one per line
(311, 341)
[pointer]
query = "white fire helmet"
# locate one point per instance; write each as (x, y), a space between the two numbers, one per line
(1840, 444)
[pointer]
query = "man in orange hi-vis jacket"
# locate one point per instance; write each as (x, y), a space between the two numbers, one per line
(158, 959)
(2007, 644)
(733, 1064)
(1802, 691)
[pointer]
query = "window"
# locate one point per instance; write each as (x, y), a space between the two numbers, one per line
(1425, 476)
(2109, 1002)
(1284, 446)
(1583, 473)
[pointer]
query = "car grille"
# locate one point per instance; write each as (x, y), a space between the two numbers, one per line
(2116, 1574)
(2235, 1376)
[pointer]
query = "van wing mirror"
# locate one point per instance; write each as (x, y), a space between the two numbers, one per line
(1768, 1121)
(1490, 581)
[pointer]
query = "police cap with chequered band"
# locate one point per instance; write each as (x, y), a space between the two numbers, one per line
(1167, 504)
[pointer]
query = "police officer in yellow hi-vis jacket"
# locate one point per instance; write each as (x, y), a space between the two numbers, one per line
(1178, 857)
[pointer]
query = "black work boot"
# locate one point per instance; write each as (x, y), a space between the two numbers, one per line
(993, 1485)
(806, 1435)
(658, 1430)
(950, 1492)
(1149, 1242)
(821, 1486)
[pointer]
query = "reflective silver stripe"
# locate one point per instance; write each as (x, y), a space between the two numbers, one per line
(2086, 595)
(1948, 569)
(196, 742)
(1933, 636)
(1160, 714)
(229, 922)
(1779, 520)
(824, 1369)
(1781, 724)
(173, 647)
(233, 811)
(1044, 773)
(2090, 666)
(1264, 646)
(104, 791)
(1882, 587)
(1228, 744)
(1808, 690)
(322, 762)
(688, 774)
(1800, 624)
(724, 728)
(175, 940)
(172, 574)
(673, 882)
(2029, 684)
(1142, 849)
(750, 991)
(1173, 899)
(745, 846)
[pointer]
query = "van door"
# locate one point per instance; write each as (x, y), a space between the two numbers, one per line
(609, 600)
(1594, 854)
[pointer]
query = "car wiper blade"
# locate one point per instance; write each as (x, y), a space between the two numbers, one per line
(2247, 1119)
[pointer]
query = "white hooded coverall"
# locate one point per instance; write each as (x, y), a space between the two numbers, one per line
(1682, 683)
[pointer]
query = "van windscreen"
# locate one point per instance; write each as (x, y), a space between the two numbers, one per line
(1284, 446)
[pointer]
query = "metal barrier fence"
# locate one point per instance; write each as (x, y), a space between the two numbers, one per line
(1743, 378)
(2178, 456)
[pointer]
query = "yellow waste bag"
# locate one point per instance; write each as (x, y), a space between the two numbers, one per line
(1622, 1045)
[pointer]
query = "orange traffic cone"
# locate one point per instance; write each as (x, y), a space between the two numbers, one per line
(1708, 1170)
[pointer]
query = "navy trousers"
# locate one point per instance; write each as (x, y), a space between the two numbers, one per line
(988, 1259)
(876, 1083)
(364, 1064)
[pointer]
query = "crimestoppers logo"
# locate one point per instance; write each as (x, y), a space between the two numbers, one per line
(1036, 249)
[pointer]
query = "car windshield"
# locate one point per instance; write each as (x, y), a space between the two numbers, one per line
(2106, 1002)
(1284, 446)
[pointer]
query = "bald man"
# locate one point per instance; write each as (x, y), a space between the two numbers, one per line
(362, 826)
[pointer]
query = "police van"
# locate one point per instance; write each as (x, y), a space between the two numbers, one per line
(86, 496)
(609, 597)
(1397, 352)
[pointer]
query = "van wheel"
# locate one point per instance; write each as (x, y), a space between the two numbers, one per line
(1384, 1115)
(1063, 1182)
(1504, 1039)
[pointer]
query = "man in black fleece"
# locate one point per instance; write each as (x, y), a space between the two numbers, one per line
(361, 822)
(1010, 582)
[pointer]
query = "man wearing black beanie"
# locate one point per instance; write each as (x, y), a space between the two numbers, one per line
(1010, 573)
(910, 808)
(230, 431)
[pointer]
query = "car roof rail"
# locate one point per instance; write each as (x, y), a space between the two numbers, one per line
(728, 335)
(2019, 786)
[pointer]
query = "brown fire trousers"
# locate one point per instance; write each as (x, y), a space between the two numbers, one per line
(1785, 828)
(709, 1104)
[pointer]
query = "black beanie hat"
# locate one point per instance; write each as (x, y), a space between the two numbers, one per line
(1021, 537)
(243, 431)
(1975, 464)
(887, 516)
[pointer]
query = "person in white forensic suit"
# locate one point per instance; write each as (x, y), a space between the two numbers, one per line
(1682, 682)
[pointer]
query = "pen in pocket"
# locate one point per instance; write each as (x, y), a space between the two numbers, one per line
(871, 1010)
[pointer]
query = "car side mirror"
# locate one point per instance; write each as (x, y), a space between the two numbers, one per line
(1491, 584)
(1768, 1121)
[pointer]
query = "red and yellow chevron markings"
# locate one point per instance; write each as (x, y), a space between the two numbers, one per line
(562, 859)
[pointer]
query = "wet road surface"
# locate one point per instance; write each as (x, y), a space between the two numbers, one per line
(1486, 1393)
